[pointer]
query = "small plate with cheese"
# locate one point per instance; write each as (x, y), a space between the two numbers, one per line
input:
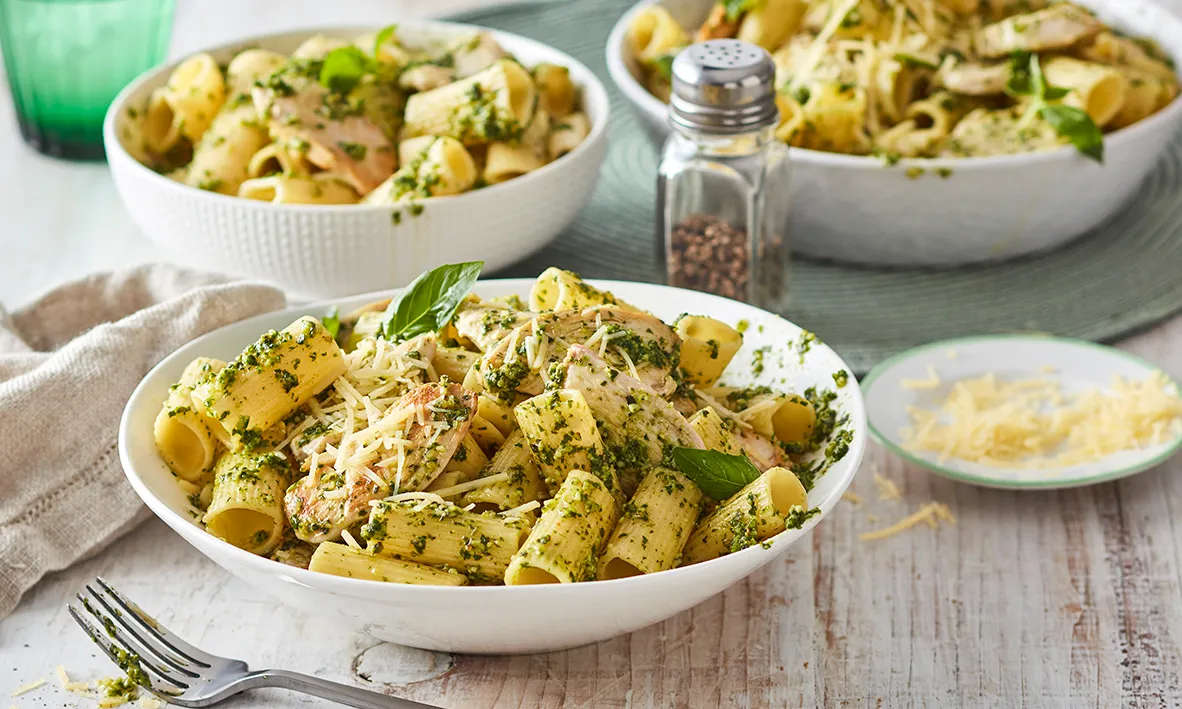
(1024, 411)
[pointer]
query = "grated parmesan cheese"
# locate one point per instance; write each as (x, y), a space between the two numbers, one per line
(887, 489)
(461, 488)
(26, 688)
(932, 382)
(349, 539)
(930, 514)
(852, 497)
(1032, 424)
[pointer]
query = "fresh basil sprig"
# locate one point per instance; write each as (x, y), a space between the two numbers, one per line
(430, 301)
(343, 68)
(383, 36)
(1027, 80)
(736, 8)
(718, 475)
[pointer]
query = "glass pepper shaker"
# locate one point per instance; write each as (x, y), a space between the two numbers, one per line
(722, 185)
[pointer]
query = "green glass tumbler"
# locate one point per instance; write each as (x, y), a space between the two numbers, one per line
(67, 59)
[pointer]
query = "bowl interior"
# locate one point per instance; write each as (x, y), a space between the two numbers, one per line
(1143, 18)
(119, 128)
(784, 368)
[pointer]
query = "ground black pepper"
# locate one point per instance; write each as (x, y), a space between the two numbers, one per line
(709, 254)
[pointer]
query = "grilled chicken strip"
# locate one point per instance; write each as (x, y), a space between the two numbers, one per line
(487, 322)
(973, 79)
(637, 425)
(515, 364)
(338, 139)
(1057, 27)
(432, 419)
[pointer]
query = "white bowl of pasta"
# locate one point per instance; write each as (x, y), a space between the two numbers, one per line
(986, 180)
(347, 160)
(459, 552)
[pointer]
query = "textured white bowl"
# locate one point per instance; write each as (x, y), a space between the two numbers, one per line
(857, 209)
(337, 250)
(494, 619)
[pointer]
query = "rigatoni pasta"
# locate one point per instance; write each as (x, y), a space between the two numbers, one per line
(439, 438)
(343, 121)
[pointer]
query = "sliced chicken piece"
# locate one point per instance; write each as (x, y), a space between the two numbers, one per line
(975, 79)
(636, 424)
(763, 452)
(424, 77)
(487, 322)
(432, 419)
(716, 25)
(476, 54)
(335, 137)
(518, 364)
(1057, 27)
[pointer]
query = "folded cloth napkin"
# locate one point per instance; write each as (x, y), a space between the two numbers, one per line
(68, 364)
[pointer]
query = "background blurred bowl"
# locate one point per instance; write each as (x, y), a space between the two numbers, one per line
(945, 211)
(335, 250)
(499, 619)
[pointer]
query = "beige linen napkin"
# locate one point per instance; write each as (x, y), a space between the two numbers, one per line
(68, 364)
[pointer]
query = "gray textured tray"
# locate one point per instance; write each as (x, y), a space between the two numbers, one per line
(1123, 277)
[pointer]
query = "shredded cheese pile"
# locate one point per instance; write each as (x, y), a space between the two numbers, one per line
(1030, 423)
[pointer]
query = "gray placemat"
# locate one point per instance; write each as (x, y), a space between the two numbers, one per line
(1122, 277)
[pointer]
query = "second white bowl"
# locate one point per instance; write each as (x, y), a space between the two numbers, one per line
(330, 251)
(945, 211)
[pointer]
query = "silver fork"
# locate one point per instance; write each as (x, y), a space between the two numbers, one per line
(187, 676)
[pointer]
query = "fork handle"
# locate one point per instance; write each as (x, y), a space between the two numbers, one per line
(333, 691)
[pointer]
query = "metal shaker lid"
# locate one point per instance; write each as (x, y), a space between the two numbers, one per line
(723, 86)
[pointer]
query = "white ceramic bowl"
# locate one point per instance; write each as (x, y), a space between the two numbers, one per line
(494, 619)
(857, 209)
(330, 251)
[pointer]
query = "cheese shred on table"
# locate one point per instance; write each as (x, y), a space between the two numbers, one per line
(1030, 423)
(930, 514)
(25, 689)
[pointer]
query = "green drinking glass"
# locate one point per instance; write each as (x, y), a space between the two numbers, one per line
(67, 59)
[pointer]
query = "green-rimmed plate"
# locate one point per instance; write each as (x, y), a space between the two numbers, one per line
(1076, 365)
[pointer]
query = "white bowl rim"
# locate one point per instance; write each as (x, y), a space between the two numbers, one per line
(598, 98)
(651, 105)
(848, 466)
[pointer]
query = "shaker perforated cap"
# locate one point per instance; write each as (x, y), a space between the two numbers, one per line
(723, 86)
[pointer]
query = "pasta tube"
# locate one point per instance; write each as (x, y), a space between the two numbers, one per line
(271, 379)
(715, 433)
(556, 289)
(249, 66)
(523, 484)
(221, 159)
(493, 104)
(655, 33)
(504, 161)
(321, 188)
(445, 168)
(1096, 89)
(439, 533)
(707, 347)
(187, 439)
(453, 362)
(567, 134)
(347, 561)
(653, 526)
(468, 459)
(186, 106)
(556, 92)
(561, 431)
(770, 23)
(318, 47)
(755, 513)
(247, 505)
(565, 543)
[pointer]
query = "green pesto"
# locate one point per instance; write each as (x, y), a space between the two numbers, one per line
(286, 379)
(841, 378)
(797, 516)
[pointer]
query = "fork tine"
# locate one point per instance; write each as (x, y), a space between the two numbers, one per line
(120, 618)
(122, 642)
(113, 652)
(149, 624)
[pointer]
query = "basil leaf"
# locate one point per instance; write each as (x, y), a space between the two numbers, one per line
(1054, 93)
(916, 61)
(332, 322)
(430, 301)
(719, 475)
(343, 68)
(736, 8)
(383, 36)
(1078, 127)
(1019, 84)
(663, 65)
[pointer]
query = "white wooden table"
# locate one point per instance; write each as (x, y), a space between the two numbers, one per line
(1041, 599)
